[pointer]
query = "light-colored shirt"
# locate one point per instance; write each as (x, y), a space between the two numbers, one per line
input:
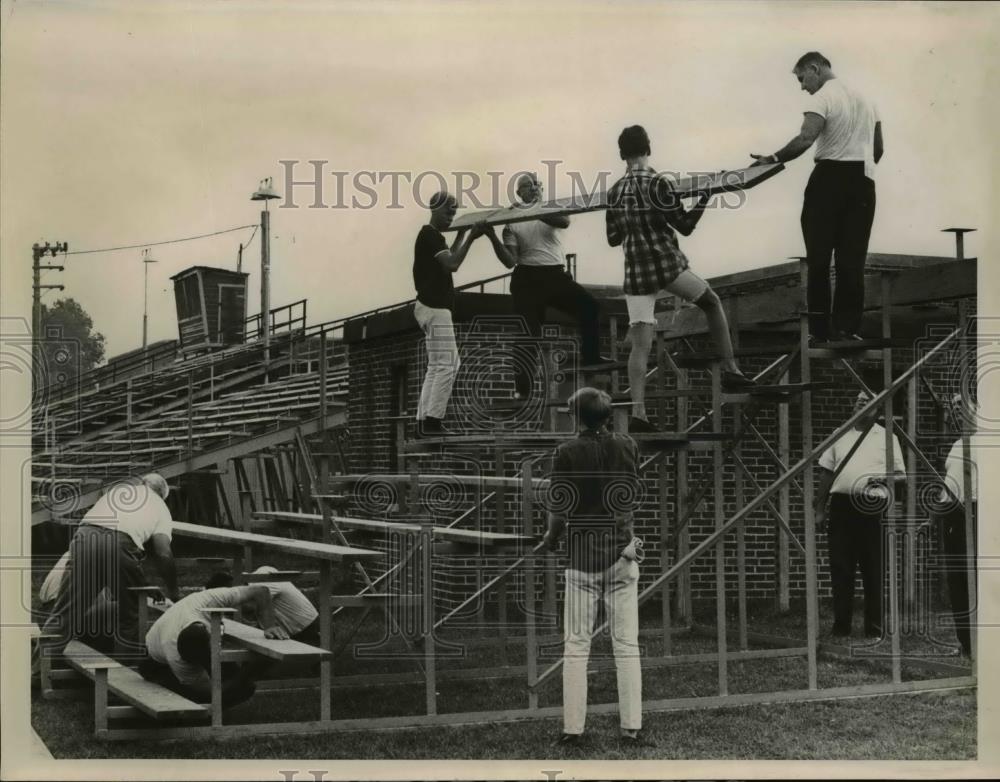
(867, 463)
(161, 640)
(849, 132)
(138, 511)
(955, 473)
(49, 590)
(292, 609)
(537, 243)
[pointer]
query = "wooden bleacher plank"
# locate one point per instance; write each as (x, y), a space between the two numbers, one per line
(486, 481)
(252, 639)
(150, 698)
(722, 182)
(310, 549)
(447, 534)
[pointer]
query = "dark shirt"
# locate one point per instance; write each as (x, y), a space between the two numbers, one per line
(432, 281)
(595, 487)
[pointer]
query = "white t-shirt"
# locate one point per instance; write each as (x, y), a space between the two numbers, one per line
(49, 590)
(849, 132)
(138, 511)
(161, 640)
(537, 243)
(955, 472)
(292, 609)
(866, 462)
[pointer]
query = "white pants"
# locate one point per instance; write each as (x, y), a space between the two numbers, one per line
(618, 586)
(442, 360)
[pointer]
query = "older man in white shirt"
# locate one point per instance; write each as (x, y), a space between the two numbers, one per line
(106, 553)
(855, 484)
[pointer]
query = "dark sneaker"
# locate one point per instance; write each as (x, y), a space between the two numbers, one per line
(569, 740)
(432, 427)
(640, 426)
(734, 382)
(635, 739)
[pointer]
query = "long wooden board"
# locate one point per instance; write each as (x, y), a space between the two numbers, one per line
(449, 534)
(252, 638)
(303, 548)
(722, 182)
(149, 697)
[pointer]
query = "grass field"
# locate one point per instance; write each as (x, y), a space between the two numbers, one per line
(903, 727)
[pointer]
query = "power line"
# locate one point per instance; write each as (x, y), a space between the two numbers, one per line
(169, 241)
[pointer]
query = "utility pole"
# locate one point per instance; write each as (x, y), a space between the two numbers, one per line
(265, 192)
(146, 260)
(39, 251)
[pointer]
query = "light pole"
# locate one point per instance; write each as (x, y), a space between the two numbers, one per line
(265, 192)
(146, 260)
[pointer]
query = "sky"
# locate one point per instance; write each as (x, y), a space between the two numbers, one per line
(135, 123)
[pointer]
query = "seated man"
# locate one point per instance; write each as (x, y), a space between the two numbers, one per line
(179, 647)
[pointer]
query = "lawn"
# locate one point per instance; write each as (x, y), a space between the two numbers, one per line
(902, 727)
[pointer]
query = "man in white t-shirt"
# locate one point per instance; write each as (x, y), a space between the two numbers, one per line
(106, 553)
(855, 482)
(292, 609)
(839, 204)
(179, 647)
(533, 249)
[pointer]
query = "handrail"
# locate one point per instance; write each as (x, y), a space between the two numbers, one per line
(115, 365)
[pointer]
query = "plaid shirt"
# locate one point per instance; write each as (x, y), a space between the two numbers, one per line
(642, 207)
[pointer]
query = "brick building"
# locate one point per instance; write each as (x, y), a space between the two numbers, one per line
(386, 359)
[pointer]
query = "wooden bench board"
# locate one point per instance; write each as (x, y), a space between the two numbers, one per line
(252, 638)
(150, 698)
(310, 549)
(486, 481)
(450, 534)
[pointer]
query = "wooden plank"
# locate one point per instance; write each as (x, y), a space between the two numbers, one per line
(449, 534)
(131, 687)
(309, 549)
(252, 638)
(402, 479)
(684, 187)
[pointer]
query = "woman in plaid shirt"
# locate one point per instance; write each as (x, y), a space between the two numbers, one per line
(643, 213)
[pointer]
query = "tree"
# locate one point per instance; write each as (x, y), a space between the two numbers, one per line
(69, 344)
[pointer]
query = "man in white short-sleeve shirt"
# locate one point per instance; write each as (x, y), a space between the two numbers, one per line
(180, 640)
(855, 481)
(839, 204)
(106, 553)
(292, 609)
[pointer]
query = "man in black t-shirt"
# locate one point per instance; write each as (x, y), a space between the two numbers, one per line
(433, 264)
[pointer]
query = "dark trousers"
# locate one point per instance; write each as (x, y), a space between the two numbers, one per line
(957, 569)
(534, 288)
(855, 540)
(837, 214)
(100, 558)
(237, 686)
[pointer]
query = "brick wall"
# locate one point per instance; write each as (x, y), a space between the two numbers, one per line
(383, 366)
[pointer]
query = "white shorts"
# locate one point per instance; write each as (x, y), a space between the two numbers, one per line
(687, 285)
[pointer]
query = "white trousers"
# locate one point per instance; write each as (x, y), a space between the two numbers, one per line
(618, 587)
(442, 360)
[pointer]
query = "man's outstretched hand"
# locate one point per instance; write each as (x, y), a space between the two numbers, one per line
(762, 160)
